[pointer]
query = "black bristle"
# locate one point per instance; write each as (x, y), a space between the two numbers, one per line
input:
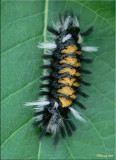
(80, 104)
(71, 13)
(87, 32)
(72, 126)
(84, 83)
(47, 56)
(46, 66)
(52, 30)
(63, 134)
(83, 94)
(65, 15)
(60, 19)
(44, 85)
(69, 132)
(45, 77)
(85, 71)
(37, 123)
(43, 132)
(86, 60)
(38, 113)
(43, 93)
(56, 140)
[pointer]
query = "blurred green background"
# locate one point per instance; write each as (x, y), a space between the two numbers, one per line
(23, 26)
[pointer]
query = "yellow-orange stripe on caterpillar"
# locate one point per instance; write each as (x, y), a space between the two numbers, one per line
(71, 82)
(68, 81)
(72, 61)
(65, 102)
(71, 49)
(68, 91)
(71, 71)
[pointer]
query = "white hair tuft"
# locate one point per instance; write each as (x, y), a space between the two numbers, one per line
(68, 36)
(76, 114)
(76, 22)
(90, 49)
(37, 103)
(66, 22)
(47, 45)
(80, 39)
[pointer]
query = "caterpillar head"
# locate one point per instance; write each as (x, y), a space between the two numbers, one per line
(69, 29)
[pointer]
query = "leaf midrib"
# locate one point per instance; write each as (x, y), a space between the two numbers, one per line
(45, 37)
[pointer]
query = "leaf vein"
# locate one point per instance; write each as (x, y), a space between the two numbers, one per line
(93, 12)
(15, 133)
(20, 44)
(69, 150)
(102, 93)
(19, 90)
(97, 134)
(45, 35)
(20, 20)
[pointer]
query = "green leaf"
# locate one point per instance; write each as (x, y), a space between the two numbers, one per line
(23, 26)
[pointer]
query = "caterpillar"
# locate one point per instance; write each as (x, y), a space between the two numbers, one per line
(62, 78)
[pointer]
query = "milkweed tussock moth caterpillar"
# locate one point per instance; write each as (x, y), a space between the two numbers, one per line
(62, 78)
